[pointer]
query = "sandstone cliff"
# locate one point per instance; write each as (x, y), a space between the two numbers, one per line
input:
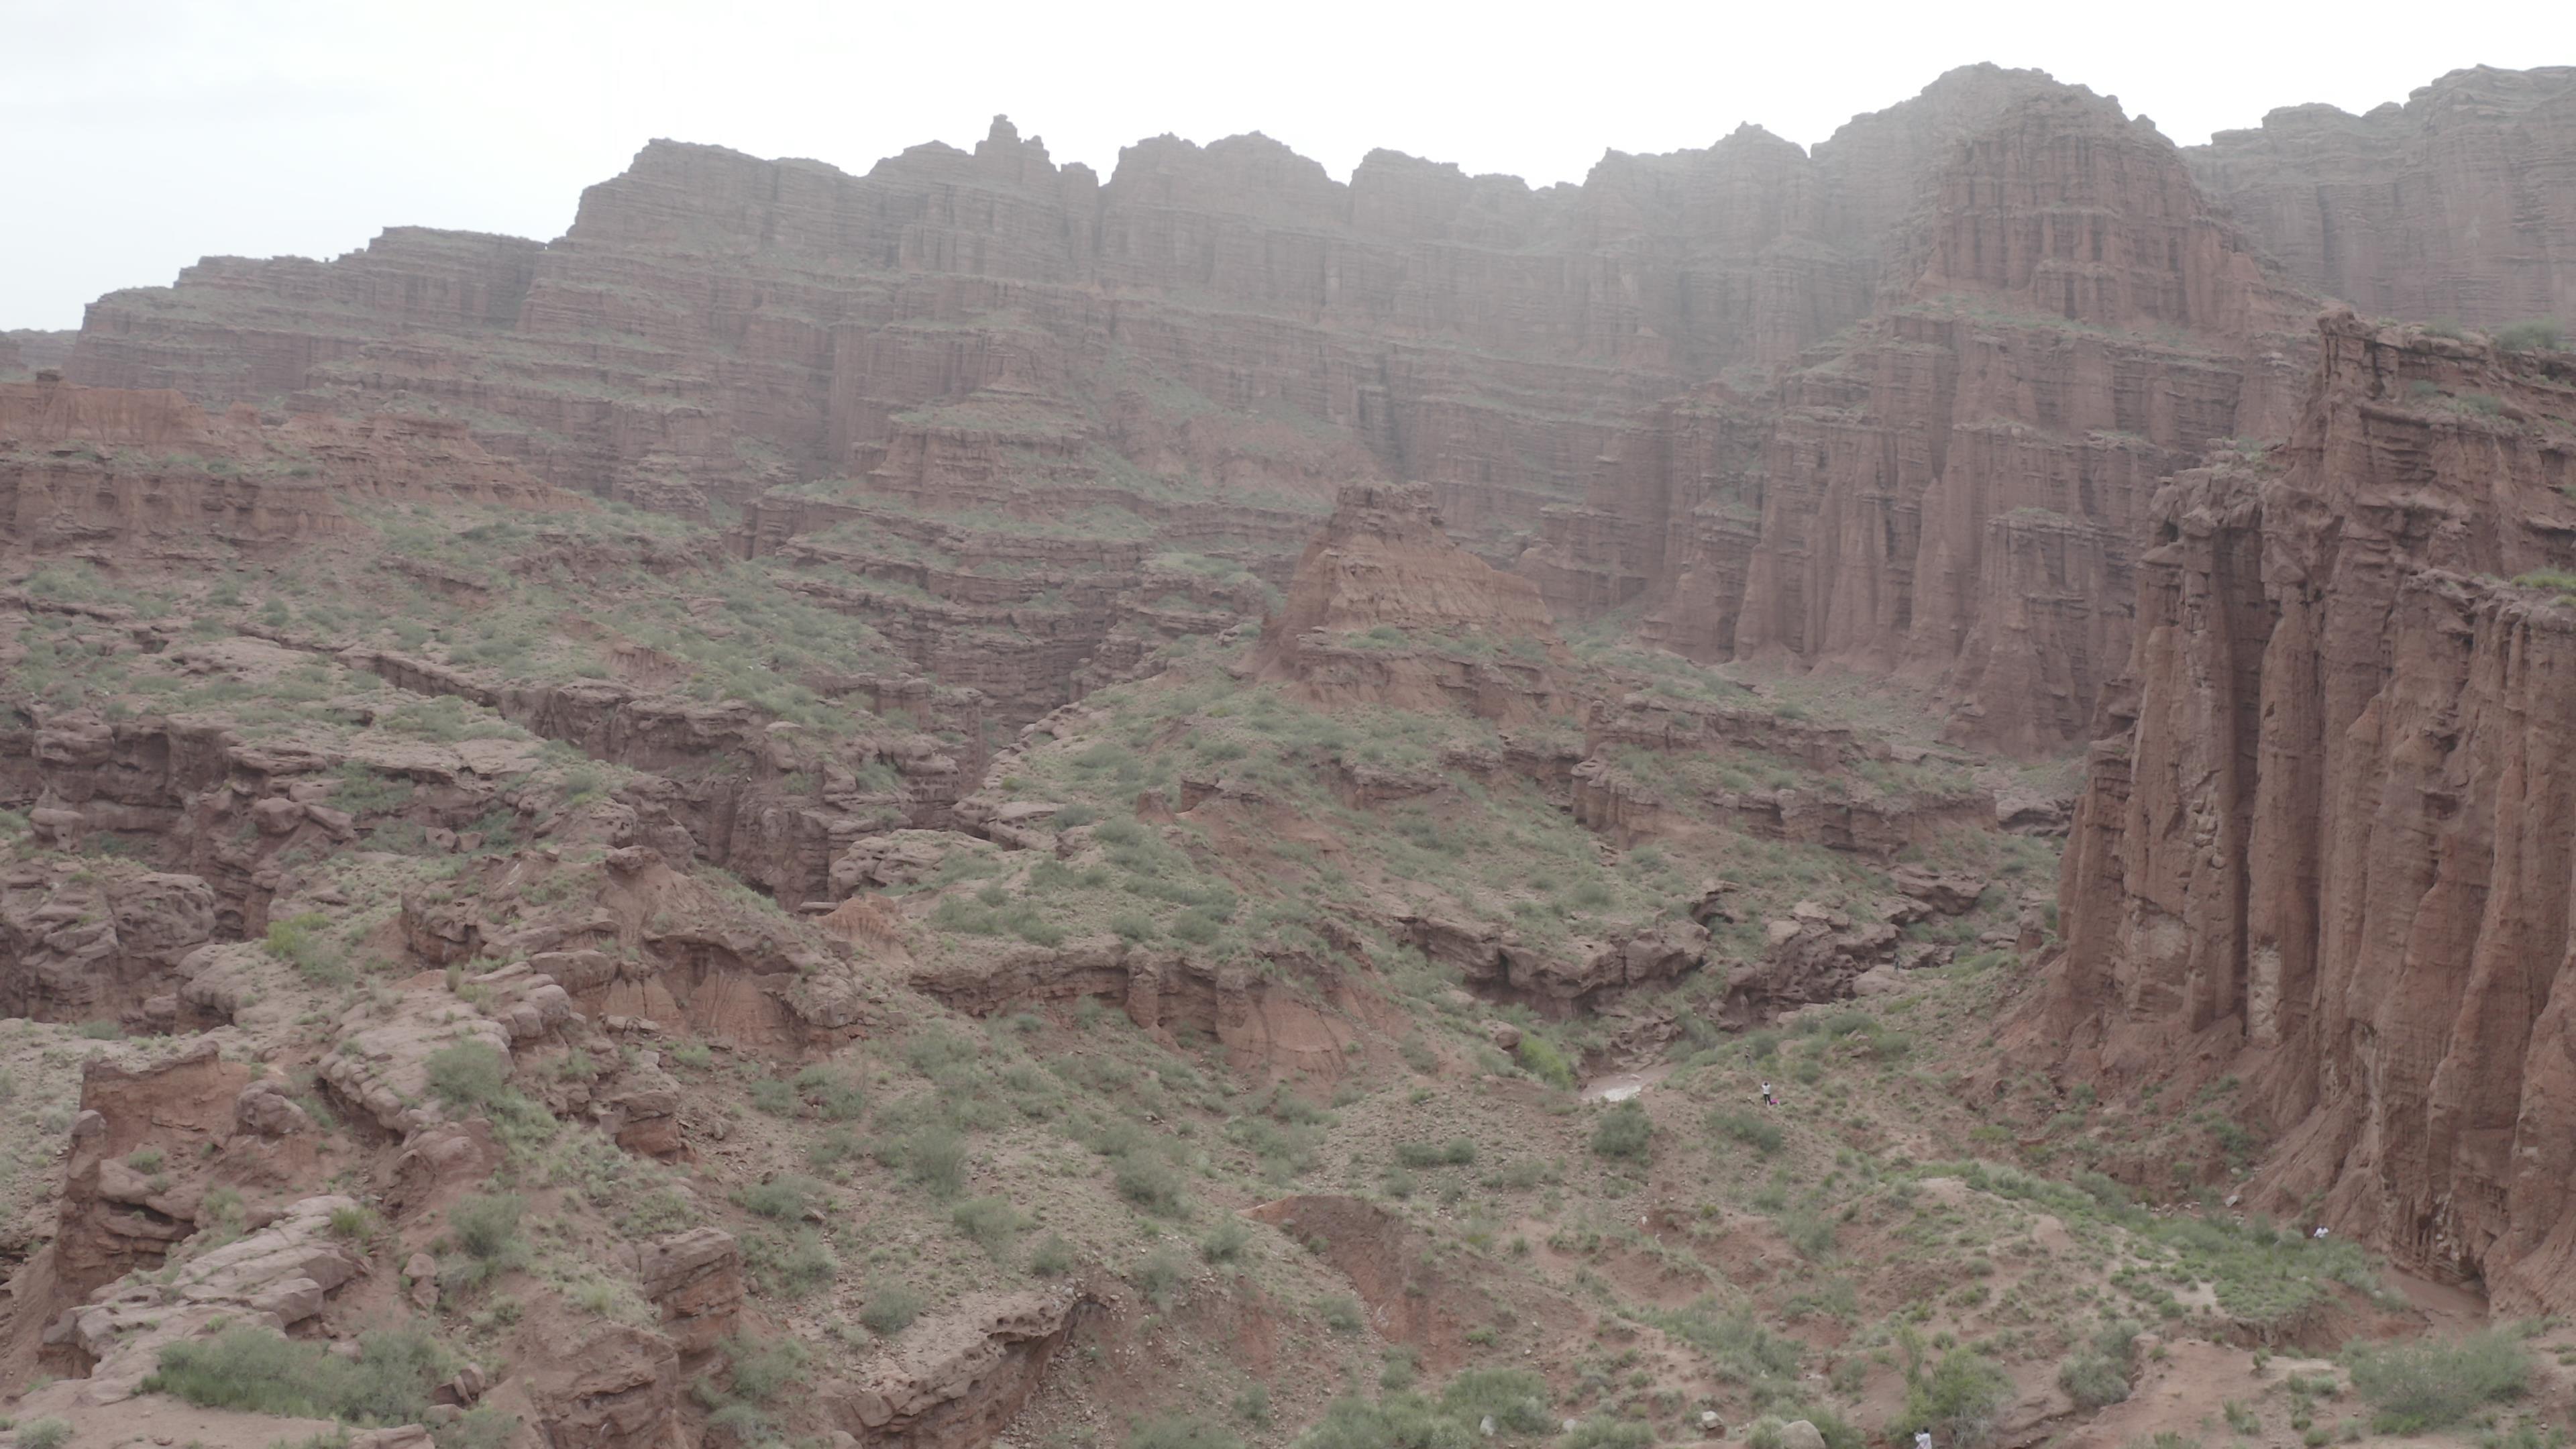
(1893, 403)
(2326, 849)
(2459, 204)
(1955, 490)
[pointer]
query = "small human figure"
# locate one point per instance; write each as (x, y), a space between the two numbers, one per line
(1767, 1099)
(2321, 1230)
(1922, 1439)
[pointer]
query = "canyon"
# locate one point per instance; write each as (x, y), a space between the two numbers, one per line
(978, 803)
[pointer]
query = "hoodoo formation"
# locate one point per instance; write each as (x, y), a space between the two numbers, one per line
(1791, 797)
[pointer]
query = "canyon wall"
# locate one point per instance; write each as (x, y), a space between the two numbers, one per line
(2326, 848)
(2459, 204)
(1895, 404)
(1730, 382)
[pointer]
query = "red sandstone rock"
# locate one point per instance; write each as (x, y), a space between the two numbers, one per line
(1385, 609)
(2453, 205)
(2326, 849)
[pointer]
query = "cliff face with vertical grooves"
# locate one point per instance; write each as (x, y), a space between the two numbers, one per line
(1895, 404)
(1956, 491)
(2326, 849)
(1226, 335)
(2459, 204)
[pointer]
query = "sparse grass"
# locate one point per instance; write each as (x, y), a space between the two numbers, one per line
(2434, 1383)
(890, 1308)
(262, 1372)
(992, 1222)
(469, 1074)
(1624, 1132)
(2532, 334)
(785, 1197)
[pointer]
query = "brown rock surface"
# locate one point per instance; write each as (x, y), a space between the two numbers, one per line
(1385, 609)
(2327, 849)
(2459, 204)
(957, 1380)
(2049, 317)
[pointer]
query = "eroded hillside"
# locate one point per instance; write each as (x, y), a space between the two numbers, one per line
(980, 806)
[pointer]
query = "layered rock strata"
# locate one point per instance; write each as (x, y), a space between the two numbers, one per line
(2326, 849)
(2458, 204)
(1897, 402)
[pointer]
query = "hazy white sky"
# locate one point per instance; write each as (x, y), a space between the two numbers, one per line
(138, 135)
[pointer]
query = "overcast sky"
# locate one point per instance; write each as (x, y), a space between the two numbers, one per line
(138, 135)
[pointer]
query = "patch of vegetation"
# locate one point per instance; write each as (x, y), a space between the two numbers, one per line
(256, 1370)
(484, 1227)
(2097, 1375)
(1624, 1132)
(469, 1074)
(2532, 334)
(297, 940)
(890, 1308)
(1960, 1398)
(2434, 1383)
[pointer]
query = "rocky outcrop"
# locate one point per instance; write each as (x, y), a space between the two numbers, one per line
(2325, 849)
(150, 471)
(1957, 493)
(1385, 609)
(1284, 1012)
(138, 1169)
(1559, 980)
(83, 945)
(2457, 204)
(957, 1380)
(2032, 314)
(275, 1277)
(381, 1066)
(1816, 954)
(694, 1280)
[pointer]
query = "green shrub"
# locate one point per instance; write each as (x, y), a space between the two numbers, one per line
(2433, 1383)
(1341, 1313)
(758, 1368)
(486, 1225)
(773, 1097)
(1515, 1399)
(44, 1434)
(1960, 1399)
(1540, 1058)
(1158, 1276)
(1226, 1241)
(1252, 1406)
(297, 940)
(479, 1428)
(1456, 1152)
(1149, 1182)
(935, 1157)
(785, 1197)
(1750, 1128)
(1052, 1258)
(1625, 1131)
(1603, 1432)
(992, 1222)
(2093, 1381)
(1180, 1431)
(469, 1074)
(2532, 334)
(834, 1094)
(259, 1371)
(790, 1264)
(485, 1228)
(890, 1308)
